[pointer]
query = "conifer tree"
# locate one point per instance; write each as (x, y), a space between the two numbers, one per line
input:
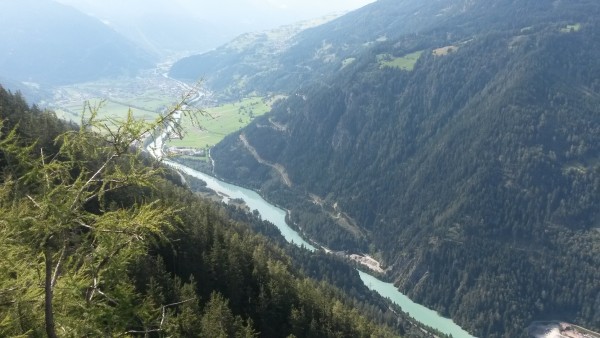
(65, 247)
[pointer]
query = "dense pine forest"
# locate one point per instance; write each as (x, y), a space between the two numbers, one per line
(475, 175)
(97, 240)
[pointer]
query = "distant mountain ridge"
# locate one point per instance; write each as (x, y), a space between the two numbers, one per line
(232, 66)
(49, 43)
(314, 53)
(475, 174)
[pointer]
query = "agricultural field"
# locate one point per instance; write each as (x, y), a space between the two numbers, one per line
(106, 108)
(217, 122)
(146, 95)
(149, 94)
(406, 62)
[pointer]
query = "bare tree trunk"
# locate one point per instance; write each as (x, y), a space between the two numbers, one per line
(48, 294)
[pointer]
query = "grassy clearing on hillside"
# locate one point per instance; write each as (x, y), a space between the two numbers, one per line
(444, 50)
(348, 62)
(571, 28)
(221, 121)
(406, 62)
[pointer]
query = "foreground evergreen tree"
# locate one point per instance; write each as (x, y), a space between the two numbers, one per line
(59, 232)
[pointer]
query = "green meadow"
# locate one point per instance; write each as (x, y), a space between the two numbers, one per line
(217, 122)
(406, 62)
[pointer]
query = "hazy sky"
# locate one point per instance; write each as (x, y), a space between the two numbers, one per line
(263, 12)
(203, 24)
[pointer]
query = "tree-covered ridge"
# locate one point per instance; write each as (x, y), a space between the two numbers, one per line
(476, 175)
(314, 54)
(97, 241)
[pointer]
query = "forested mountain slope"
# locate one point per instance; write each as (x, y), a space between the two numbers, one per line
(475, 175)
(118, 249)
(228, 68)
(48, 43)
(311, 55)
